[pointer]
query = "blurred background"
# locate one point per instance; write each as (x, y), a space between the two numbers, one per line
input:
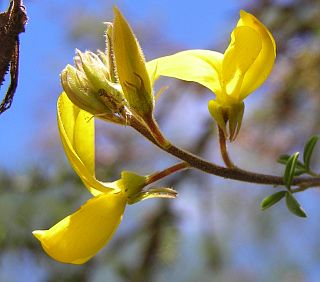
(214, 230)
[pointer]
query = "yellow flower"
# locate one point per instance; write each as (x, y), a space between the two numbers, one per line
(232, 76)
(79, 236)
(112, 85)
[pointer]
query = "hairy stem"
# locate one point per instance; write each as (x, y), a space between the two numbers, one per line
(156, 133)
(224, 150)
(211, 168)
(170, 170)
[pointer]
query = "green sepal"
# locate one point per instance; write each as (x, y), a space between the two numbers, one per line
(132, 183)
(227, 117)
(269, 201)
(294, 206)
(110, 53)
(290, 170)
(235, 115)
(157, 192)
(131, 68)
(308, 150)
(217, 112)
(103, 58)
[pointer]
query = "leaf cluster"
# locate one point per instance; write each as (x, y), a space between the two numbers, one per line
(293, 167)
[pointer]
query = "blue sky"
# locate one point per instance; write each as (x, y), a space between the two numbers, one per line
(45, 51)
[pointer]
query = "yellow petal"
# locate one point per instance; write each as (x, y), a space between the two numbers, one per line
(131, 67)
(243, 50)
(261, 68)
(78, 237)
(202, 66)
(76, 129)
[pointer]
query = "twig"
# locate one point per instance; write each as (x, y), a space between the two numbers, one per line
(224, 150)
(170, 170)
(211, 168)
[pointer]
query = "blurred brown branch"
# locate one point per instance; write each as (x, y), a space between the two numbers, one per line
(12, 23)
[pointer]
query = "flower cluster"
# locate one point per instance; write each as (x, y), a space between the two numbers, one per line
(116, 86)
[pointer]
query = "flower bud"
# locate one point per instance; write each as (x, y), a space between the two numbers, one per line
(80, 92)
(93, 67)
(88, 86)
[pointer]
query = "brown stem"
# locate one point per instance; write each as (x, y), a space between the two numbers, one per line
(237, 173)
(139, 126)
(211, 168)
(161, 174)
(224, 150)
(156, 132)
(231, 173)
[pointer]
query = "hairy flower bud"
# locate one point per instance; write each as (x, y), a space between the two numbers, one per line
(80, 91)
(90, 87)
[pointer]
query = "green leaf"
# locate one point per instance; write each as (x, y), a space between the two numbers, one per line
(269, 201)
(308, 150)
(283, 159)
(294, 206)
(290, 170)
(298, 171)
